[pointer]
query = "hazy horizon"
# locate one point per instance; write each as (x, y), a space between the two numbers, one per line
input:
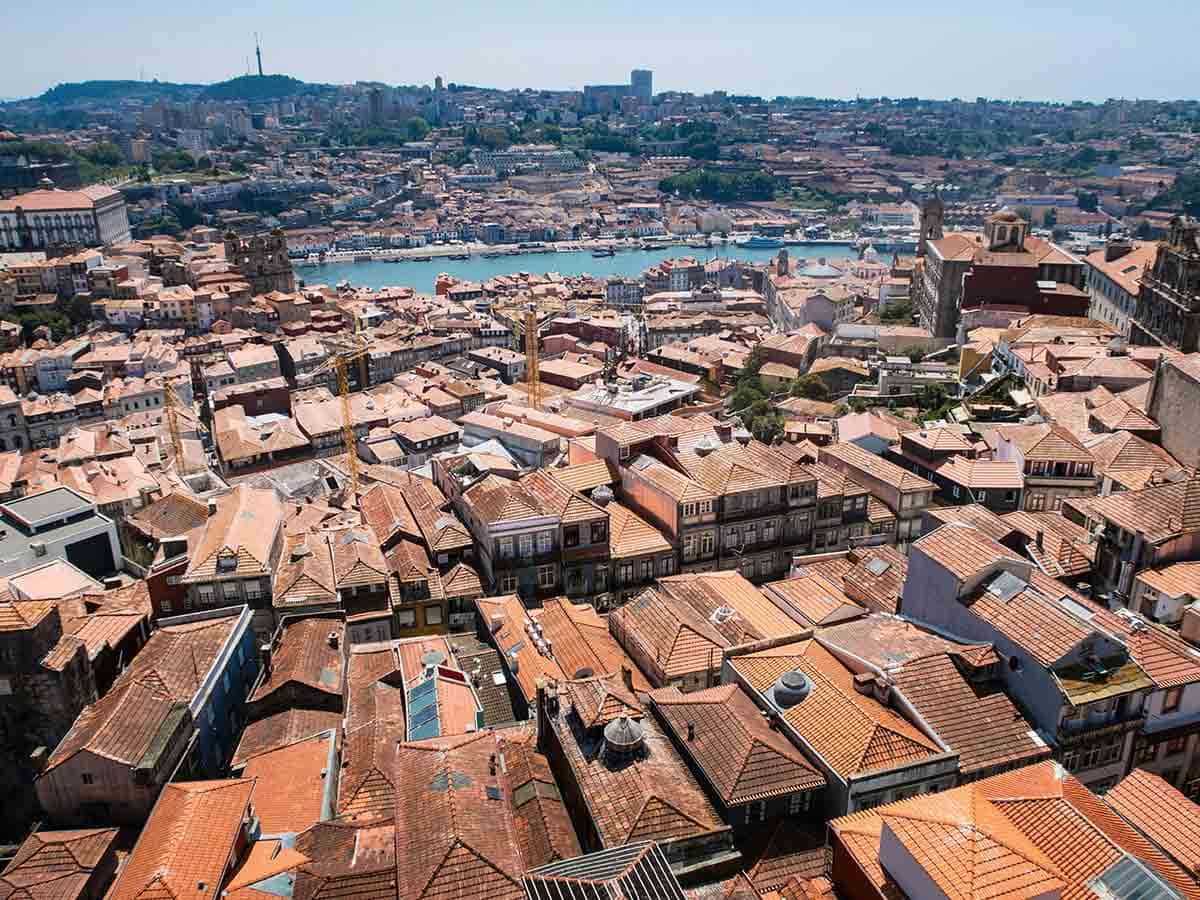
(1017, 51)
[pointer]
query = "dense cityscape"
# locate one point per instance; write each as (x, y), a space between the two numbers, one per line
(439, 491)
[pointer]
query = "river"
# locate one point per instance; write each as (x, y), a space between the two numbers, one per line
(420, 276)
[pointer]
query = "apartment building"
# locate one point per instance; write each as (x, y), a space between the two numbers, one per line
(237, 554)
(534, 537)
(1055, 464)
(905, 494)
(1059, 655)
(1140, 530)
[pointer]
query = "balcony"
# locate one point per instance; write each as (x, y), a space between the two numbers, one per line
(1072, 732)
(762, 510)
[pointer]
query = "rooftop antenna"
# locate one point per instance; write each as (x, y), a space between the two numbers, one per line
(258, 53)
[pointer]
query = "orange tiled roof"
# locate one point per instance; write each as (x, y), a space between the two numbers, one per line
(653, 796)
(852, 732)
(1162, 814)
(185, 848)
(630, 535)
(294, 783)
(725, 734)
(56, 865)
(280, 729)
(978, 721)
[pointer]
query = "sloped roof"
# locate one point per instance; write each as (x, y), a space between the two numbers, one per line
(475, 850)
(978, 721)
(306, 656)
(817, 599)
(244, 528)
(1053, 443)
(161, 680)
(1042, 805)
(851, 732)
(858, 460)
(294, 787)
(1162, 814)
(652, 796)
(184, 850)
(630, 535)
(55, 865)
(280, 729)
(726, 736)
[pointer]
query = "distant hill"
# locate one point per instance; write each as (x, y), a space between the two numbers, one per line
(261, 87)
(244, 87)
(85, 91)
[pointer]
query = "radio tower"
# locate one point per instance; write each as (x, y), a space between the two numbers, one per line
(258, 53)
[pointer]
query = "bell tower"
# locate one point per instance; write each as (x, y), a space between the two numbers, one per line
(933, 212)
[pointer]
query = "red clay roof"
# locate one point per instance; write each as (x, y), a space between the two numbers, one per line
(1162, 814)
(56, 865)
(184, 850)
(726, 736)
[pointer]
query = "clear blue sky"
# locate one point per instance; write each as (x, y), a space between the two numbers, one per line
(1056, 49)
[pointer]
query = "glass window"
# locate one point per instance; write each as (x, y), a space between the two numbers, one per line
(433, 615)
(545, 541)
(406, 618)
(508, 583)
(1171, 699)
(505, 547)
(599, 532)
(525, 542)
(546, 576)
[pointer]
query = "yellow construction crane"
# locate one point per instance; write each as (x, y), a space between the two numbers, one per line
(532, 376)
(525, 323)
(340, 363)
(171, 398)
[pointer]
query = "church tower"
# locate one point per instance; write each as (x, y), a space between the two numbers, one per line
(933, 212)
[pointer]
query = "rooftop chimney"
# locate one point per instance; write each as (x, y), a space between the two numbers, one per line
(691, 731)
(627, 678)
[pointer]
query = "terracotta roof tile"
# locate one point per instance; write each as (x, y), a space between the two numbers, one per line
(978, 721)
(160, 682)
(185, 848)
(630, 535)
(858, 460)
(817, 600)
(651, 796)
(57, 865)
(244, 529)
(280, 729)
(726, 736)
(306, 656)
(851, 732)
(294, 783)
(1162, 814)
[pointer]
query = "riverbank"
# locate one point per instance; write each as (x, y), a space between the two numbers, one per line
(420, 268)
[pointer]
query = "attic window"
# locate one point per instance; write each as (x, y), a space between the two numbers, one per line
(226, 562)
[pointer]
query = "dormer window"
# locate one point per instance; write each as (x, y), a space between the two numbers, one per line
(227, 562)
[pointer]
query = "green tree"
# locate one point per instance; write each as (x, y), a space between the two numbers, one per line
(810, 387)
(104, 153)
(416, 128)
